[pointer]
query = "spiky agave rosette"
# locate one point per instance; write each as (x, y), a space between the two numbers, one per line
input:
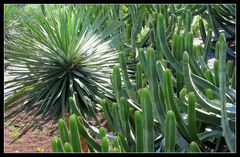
(61, 55)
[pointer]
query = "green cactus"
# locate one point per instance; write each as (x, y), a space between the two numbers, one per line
(227, 132)
(67, 147)
(215, 66)
(207, 45)
(102, 132)
(152, 77)
(205, 102)
(116, 82)
(139, 76)
(217, 51)
(209, 76)
(209, 93)
(192, 128)
(170, 132)
(76, 145)
(170, 103)
(54, 144)
(63, 130)
(124, 115)
(57, 145)
(107, 113)
(147, 113)
(188, 21)
(116, 143)
(116, 119)
(233, 85)
(139, 131)
(126, 80)
(189, 48)
(193, 147)
(229, 68)
(105, 144)
(128, 32)
(115, 150)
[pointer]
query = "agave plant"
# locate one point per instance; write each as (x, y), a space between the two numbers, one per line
(61, 54)
(12, 25)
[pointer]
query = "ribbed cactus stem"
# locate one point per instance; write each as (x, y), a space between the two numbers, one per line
(192, 128)
(229, 69)
(179, 52)
(54, 144)
(139, 76)
(174, 45)
(217, 50)
(67, 147)
(75, 136)
(193, 147)
(139, 131)
(63, 130)
(183, 94)
(116, 118)
(69, 136)
(105, 144)
(116, 80)
(152, 81)
(131, 93)
(180, 47)
(147, 112)
(215, 66)
(233, 85)
(107, 112)
(131, 118)
(227, 133)
(208, 44)
(188, 21)
(189, 48)
(170, 132)
(209, 76)
(143, 60)
(128, 32)
(124, 116)
(57, 145)
(170, 102)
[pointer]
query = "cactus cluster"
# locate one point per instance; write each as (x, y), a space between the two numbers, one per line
(175, 102)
